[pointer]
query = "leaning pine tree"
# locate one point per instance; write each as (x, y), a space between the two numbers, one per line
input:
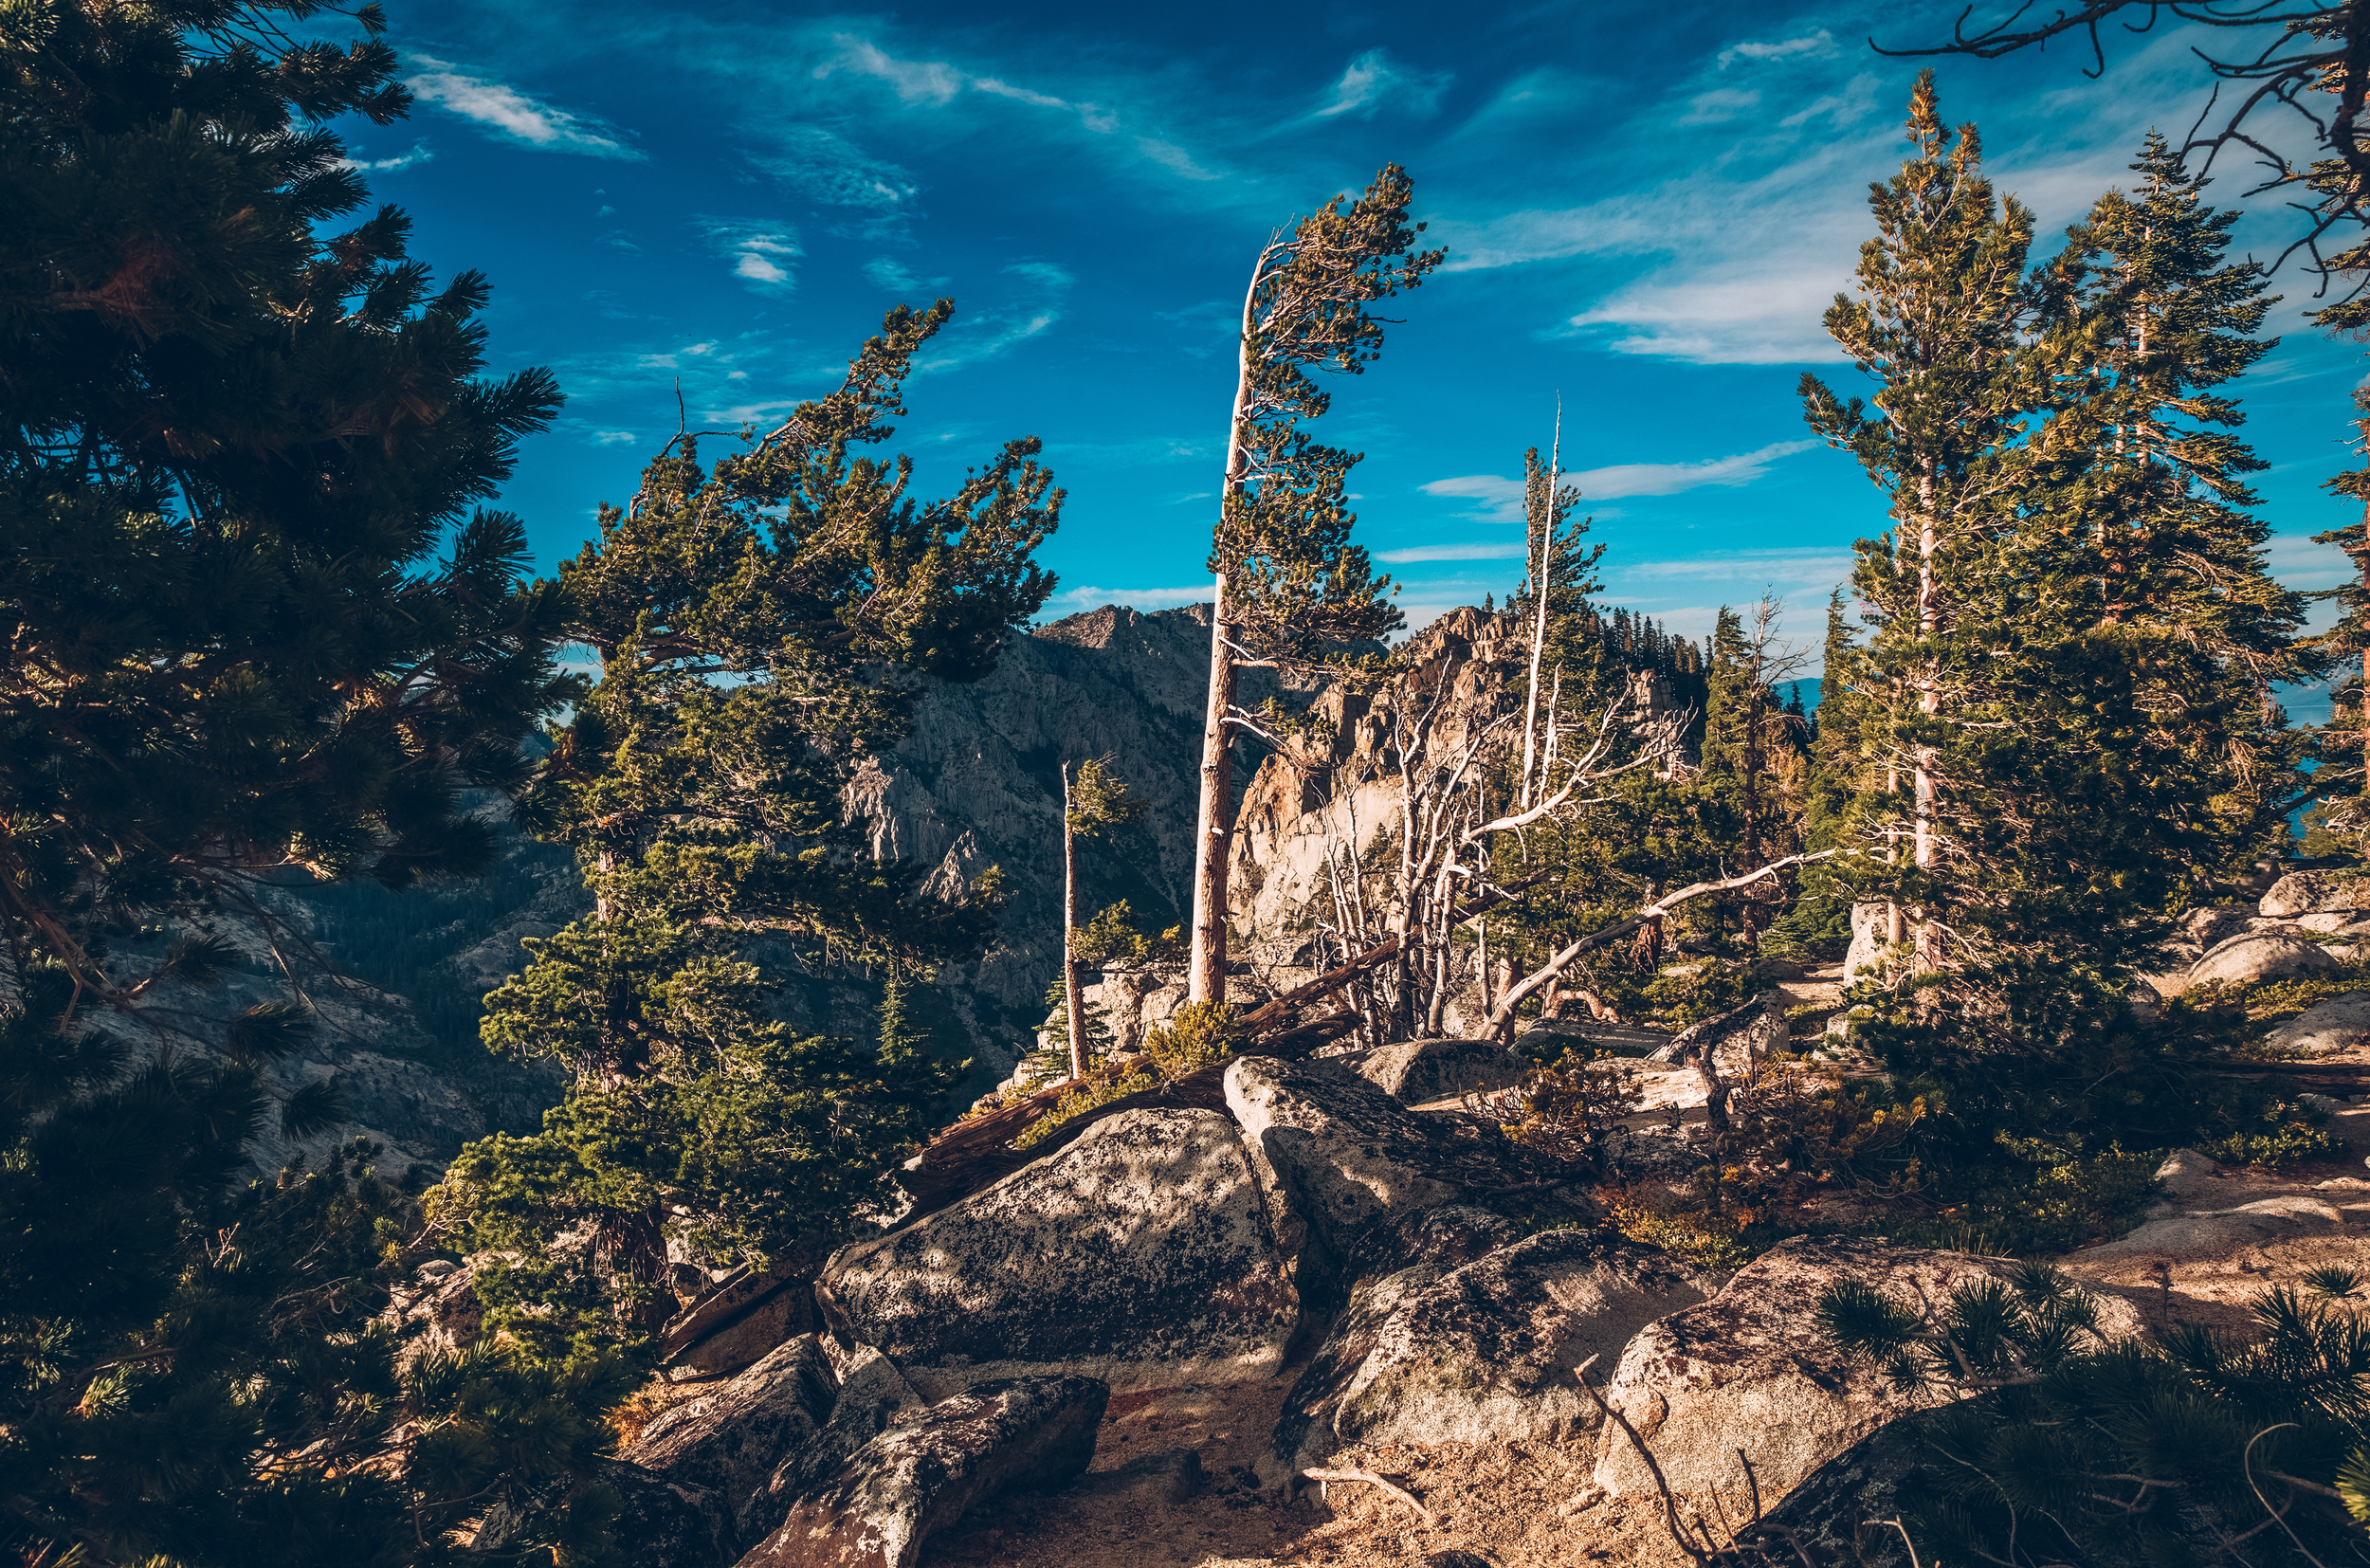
(760, 625)
(1290, 582)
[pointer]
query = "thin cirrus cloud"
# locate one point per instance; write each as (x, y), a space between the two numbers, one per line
(938, 84)
(517, 117)
(760, 253)
(1499, 499)
(1374, 79)
(419, 153)
(997, 331)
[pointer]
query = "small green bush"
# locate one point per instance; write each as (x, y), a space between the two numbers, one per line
(1086, 1097)
(2284, 1133)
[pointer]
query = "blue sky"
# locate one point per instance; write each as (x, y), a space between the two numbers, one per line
(1645, 210)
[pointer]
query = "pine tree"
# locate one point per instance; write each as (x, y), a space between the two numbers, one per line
(1940, 324)
(1095, 803)
(760, 626)
(2140, 512)
(1290, 585)
(234, 447)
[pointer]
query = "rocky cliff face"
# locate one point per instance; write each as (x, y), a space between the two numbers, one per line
(976, 783)
(1334, 789)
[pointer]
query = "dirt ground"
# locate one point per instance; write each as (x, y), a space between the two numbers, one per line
(1509, 1504)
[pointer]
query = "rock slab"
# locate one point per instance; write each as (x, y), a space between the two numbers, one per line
(1751, 1370)
(876, 1511)
(1414, 1071)
(1486, 1353)
(2325, 1028)
(2258, 956)
(2315, 893)
(730, 1442)
(1142, 1256)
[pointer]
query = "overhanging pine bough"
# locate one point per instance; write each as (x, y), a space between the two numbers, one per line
(1288, 582)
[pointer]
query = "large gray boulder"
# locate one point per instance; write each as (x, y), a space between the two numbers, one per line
(2316, 893)
(1303, 1432)
(874, 1395)
(730, 1441)
(2325, 1028)
(1869, 931)
(1140, 1254)
(1414, 1071)
(2258, 956)
(1355, 1165)
(1486, 1353)
(877, 1508)
(1751, 1370)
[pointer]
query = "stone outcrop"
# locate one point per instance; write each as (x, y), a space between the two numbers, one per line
(2316, 893)
(1356, 1164)
(1142, 1254)
(1303, 1431)
(2325, 1028)
(879, 1507)
(2199, 1215)
(1333, 788)
(730, 1441)
(1486, 1352)
(1416, 1071)
(1750, 1369)
(874, 1395)
(2257, 955)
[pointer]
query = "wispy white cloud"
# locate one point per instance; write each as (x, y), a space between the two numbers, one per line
(1818, 46)
(1721, 103)
(1146, 452)
(517, 117)
(1506, 549)
(1000, 328)
(1670, 479)
(1374, 79)
(610, 438)
(825, 167)
(419, 153)
(1501, 497)
(760, 253)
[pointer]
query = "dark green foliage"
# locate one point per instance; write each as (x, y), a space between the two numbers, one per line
(260, 634)
(2055, 731)
(760, 625)
(2210, 1450)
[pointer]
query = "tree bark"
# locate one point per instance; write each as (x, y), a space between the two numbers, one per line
(1206, 968)
(1929, 703)
(1072, 992)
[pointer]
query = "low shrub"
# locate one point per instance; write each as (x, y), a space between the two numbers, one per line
(2282, 1134)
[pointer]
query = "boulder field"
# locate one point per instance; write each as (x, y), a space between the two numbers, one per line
(1433, 1282)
